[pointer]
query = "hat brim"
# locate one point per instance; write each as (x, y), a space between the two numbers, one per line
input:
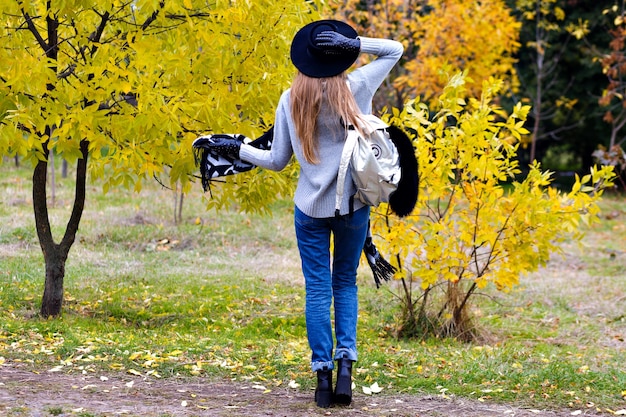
(310, 60)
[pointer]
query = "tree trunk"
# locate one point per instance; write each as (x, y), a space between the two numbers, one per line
(539, 37)
(52, 300)
(53, 178)
(55, 255)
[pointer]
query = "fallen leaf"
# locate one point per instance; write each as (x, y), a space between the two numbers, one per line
(375, 388)
(372, 389)
(293, 384)
(130, 384)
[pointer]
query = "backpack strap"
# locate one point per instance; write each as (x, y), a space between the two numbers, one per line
(344, 163)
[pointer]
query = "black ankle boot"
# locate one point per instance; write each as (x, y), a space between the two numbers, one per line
(324, 390)
(343, 390)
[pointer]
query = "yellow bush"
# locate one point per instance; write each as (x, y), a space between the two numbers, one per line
(478, 221)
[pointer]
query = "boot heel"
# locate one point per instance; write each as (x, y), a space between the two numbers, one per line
(323, 399)
(343, 390)
(324, 390)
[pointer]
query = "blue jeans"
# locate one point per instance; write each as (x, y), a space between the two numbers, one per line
(323, 283)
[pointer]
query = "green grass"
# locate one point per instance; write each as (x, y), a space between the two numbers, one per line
(220, 295)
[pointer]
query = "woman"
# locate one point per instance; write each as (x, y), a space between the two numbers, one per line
(311, 121)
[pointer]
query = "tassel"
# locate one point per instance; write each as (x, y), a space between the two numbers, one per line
(200, 154)
(381, 269)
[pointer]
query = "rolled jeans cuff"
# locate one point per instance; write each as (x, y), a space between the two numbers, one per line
(344, 353)
(322, 366)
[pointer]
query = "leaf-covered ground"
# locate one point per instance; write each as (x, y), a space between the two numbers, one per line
(24, 393)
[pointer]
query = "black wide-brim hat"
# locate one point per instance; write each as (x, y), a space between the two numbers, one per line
(311, 60)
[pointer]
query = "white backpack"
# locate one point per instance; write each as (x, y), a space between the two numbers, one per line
(374, 162)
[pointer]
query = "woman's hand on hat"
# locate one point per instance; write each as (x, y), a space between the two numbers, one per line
(334, 43)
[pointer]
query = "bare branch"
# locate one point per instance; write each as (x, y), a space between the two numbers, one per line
(31, 26)
(67, 72)
(153, 16)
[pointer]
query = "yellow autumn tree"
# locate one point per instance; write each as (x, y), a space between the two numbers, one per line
(122, 89)
(475, 224)
(441, 38)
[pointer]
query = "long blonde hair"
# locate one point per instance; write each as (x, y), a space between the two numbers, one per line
(307, 95)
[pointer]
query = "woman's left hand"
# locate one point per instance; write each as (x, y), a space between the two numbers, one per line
(222, 145)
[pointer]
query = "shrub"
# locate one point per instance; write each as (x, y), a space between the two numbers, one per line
(475, 224)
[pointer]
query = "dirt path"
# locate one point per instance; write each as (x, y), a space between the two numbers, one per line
(24, 393)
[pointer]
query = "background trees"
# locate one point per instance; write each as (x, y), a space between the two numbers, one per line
(613, 97)
(547, 52)
(128, 86)
(441, 38)
(562, 79)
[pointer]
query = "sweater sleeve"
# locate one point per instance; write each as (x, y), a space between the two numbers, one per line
(388, 53)
(280, 153)
(387, 48)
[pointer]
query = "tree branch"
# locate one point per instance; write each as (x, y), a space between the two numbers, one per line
(153, 16)
(31, 26)
(53, 39)
(79, 200)
(40, 205)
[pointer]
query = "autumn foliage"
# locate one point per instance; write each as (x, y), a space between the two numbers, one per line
(613, 97)
(123, 88)
(441, 38)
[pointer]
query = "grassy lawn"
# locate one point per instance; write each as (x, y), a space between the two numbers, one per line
(220, 295)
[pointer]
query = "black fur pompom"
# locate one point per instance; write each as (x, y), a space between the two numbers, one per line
(403, 200)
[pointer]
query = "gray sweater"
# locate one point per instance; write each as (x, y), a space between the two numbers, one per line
(317, 183)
